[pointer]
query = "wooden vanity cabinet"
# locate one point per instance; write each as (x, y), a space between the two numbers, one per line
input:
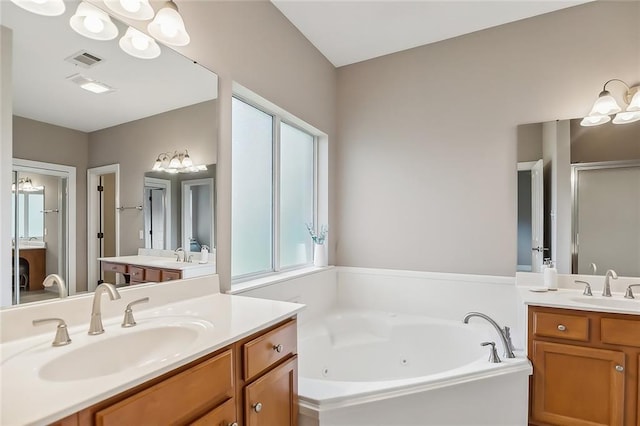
(583, 367)
(267, 384)
(138, 274)
(220, 389)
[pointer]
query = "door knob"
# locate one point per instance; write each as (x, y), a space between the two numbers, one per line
(619, 368)
(257, 407)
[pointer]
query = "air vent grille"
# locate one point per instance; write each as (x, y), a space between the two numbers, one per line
(84, 59)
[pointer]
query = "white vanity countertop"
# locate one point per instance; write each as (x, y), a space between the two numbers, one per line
(163, 262)
(27, 398)
(574, 299)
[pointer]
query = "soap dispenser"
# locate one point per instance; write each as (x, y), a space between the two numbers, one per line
(204, 254)
(550, 275)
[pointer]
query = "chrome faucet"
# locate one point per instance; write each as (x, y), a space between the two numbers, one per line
(504, 333)
(606, 290)
(177, 252)
(95, 327)
(55, 278)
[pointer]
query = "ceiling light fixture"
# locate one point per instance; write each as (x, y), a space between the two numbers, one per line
(134, 9)
(176, 162)
(168, 26)
(42, 7)
(26, 185)
(90, 84)
(606, 105)
(93, 23)
(139, 45)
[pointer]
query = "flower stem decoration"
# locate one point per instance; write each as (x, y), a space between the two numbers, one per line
(320, 236)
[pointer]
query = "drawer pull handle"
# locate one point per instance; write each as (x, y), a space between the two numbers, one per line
(278, 348)
(619, 368)
(257, 407)
(561, 327)
(233, 424)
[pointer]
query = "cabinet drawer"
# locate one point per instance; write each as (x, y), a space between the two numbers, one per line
(176, 400)
(171, 275)
(570, 327)
(136, 273)
(620, 332)
(152, 275)
(114, 267)
(223, 415)
(266, 350)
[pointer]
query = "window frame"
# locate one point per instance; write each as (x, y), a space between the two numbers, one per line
(277, 120)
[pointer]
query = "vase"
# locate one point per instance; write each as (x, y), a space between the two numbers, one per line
(319, 255)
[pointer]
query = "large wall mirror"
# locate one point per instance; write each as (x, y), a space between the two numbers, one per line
(80, 157)
(579, 197)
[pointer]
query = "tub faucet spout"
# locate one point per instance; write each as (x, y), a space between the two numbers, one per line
(504, 334)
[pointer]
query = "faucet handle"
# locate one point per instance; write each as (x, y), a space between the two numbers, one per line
(493, 354)
(62, 335)
(587, 287)
(128, 320)
(629, 293)
(507, 335)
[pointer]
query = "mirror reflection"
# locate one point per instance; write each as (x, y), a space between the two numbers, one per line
(579, 197)
(97, 146)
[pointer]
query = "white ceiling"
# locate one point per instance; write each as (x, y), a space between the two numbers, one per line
(143, 87)
(347, 32)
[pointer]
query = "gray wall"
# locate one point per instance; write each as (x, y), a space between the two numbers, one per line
(427, 153)
(252, 43)
(135, 146)
(529, 142)
(607, 142)
(38, 141)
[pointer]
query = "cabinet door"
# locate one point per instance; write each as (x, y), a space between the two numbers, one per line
(273, 398)
(575, 385)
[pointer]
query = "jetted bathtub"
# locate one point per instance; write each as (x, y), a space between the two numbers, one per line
(378, 368)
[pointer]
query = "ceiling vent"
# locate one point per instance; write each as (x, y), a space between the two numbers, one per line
(84, 59)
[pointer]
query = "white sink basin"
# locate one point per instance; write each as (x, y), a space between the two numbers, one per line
(609, 302)
(146, 344)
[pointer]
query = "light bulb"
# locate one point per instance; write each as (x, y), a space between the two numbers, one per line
(626, 117)
(39, 1)
(132, 6)
(93, 23)
(595, 120)
(169, 29)
(634, 105)
(168, 26)
(140, 43)
(605, 105)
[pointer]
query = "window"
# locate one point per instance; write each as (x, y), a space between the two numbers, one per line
(273, 192)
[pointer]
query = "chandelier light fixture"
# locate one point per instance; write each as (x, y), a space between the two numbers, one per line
(42, 7)
(168, 26)
(139, 45)
(134, 9)
(93, 23)
(606, 106)
(176, 162)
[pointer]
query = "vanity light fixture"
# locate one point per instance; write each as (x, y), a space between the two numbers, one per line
(134, 9)
(42, 7)
(93, 23)
(176, 162)
(139, 45)
(168, 26)
(26, 185)
(606, 105)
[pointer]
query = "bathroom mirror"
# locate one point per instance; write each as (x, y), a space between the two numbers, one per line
(179, 210)
(590, 197)
(151, 106)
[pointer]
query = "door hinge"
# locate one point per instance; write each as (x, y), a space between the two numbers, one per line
(100, 188)
(100, 235)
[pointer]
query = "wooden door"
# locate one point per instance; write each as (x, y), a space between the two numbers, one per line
(577, 386)
(273, 398)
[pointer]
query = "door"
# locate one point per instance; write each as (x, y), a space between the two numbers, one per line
(272, 399)
(577, 386)
(197, 213)
(157, 214)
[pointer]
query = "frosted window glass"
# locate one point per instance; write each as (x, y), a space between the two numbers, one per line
(252, 181)
(296, 195)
